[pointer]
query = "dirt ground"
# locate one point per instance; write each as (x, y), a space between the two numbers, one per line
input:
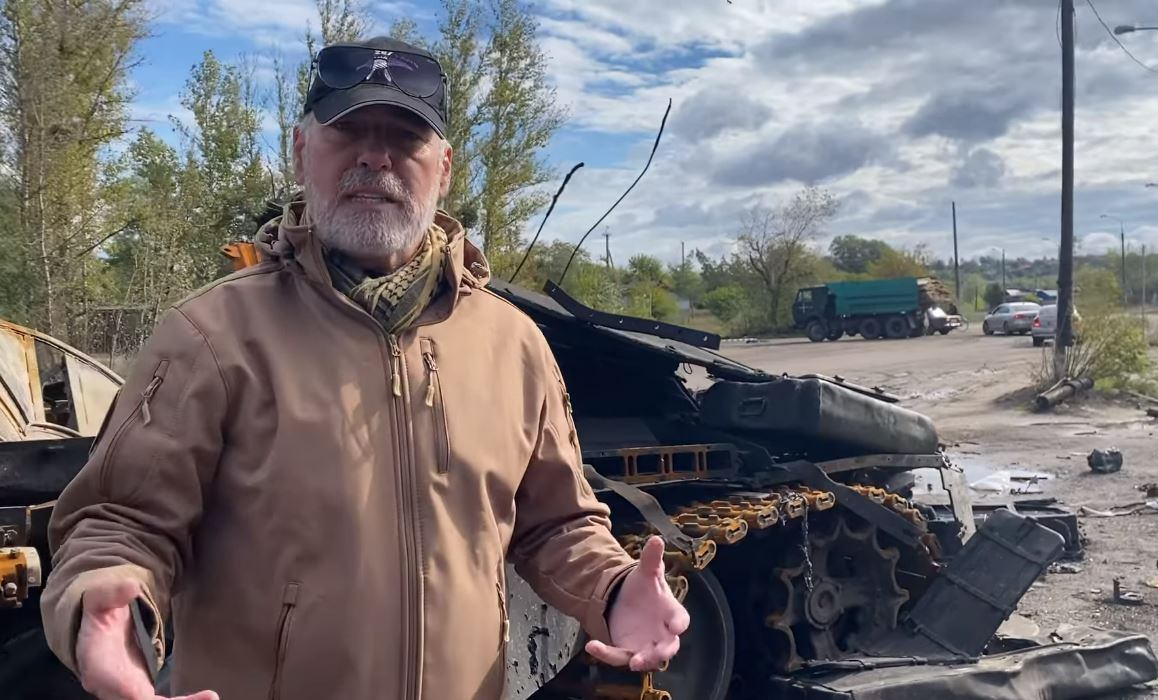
(974, 387)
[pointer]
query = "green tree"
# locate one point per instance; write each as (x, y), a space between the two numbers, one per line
(855, 254)
(519, 113)
(64, 99)
(223, 175)
(460, 51)
(686, 282)
(898, 263)
(1097, 290)
(726, 303)
(775, 245)
(994, 296)
(339, 20)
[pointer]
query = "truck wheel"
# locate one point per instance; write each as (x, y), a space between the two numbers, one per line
(817, 331)
(835, 334)
(870, 328)
(1038, 341)
(896, 328)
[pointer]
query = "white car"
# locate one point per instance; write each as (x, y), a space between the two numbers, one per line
(1045, 325)
(1010, 318)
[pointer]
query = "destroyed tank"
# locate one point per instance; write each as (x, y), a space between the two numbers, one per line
(784, 502)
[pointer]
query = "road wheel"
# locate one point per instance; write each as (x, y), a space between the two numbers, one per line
(835, 334)
(817, 331)
(1005, 328)
(870, 328)
(1038, 342)
(896, 328)
(944, 331)
(985, 328)
(703, 668)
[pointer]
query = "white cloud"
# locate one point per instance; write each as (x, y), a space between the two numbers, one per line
(898, 106)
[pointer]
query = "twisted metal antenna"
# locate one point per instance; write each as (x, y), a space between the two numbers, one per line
(622, 197)
(549, 210)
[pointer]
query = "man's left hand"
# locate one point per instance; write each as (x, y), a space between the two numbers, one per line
(646, 620)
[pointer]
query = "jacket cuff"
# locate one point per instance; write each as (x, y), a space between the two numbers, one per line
(62, 612)
(595, 622)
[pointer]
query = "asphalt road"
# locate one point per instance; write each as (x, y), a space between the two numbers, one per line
(900, 363)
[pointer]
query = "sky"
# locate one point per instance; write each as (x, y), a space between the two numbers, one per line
(898, 107)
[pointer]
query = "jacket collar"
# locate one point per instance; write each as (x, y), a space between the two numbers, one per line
(290, 237)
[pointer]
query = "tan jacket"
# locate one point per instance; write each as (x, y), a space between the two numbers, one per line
(313, 535)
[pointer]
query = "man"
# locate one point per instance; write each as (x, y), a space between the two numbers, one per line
(319, 464)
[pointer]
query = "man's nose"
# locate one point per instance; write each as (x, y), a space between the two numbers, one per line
(375, 156)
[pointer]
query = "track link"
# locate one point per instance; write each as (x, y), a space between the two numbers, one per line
(726, 522)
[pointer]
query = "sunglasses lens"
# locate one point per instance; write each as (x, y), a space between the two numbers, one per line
(344, 67)
(413, 74)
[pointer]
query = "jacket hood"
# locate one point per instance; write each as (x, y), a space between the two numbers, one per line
(290, 236)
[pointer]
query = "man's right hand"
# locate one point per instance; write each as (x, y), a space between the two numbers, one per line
(107, 656)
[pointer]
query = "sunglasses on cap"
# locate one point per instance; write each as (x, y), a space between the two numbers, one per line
(343, 67)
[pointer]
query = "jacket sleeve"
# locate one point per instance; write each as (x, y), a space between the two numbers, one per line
(131, 511)
(562, 544)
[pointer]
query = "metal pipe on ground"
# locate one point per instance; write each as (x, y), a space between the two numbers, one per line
(1062, 391)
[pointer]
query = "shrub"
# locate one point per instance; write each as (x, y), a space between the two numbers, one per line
(1111, 349)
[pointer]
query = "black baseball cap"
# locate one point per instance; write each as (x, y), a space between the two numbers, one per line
(377, 71)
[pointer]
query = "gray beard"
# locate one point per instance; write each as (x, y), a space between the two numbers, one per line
(369, 233)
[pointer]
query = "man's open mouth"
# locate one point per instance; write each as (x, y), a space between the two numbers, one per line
(371, 196)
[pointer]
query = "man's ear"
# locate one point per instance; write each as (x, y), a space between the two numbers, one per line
(447, 169)
(299, 143)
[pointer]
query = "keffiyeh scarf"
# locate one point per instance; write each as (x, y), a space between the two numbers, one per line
(395, 300)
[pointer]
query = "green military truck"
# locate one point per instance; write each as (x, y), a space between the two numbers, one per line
(905, 307)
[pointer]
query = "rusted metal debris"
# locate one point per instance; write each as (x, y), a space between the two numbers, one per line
(1126, 597)
(1062, 391)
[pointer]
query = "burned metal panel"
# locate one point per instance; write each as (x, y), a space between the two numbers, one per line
(35, 471)
(545, 309)
(542, 639)
(92, 392)
(1103, 664)
(15, 526)
(78, 386)
(16, 405)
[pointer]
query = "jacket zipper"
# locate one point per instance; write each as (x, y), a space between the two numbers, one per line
(434, 400)
(503, 605)
(409, 520)
(141, 409)
(284, 626)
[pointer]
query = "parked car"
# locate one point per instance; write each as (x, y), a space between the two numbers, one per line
(1011, 318)
(1045, 324)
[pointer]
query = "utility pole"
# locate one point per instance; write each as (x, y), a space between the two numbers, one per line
(1122, 233)
(1004, 287)
(1144, 334)
(1122, 228)
(1066, 261)
(956, 260)
(607, 247)
(683, 259)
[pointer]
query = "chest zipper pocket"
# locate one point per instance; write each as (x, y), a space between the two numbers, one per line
(434, 400)
(289, 603)
(141, 412)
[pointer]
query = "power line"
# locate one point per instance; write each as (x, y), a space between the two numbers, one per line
(1117, 40)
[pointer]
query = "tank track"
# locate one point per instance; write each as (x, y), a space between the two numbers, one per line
(727, 521)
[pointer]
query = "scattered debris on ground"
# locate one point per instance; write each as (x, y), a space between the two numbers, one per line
(1126, 597)
(1105, 461)
(1061, 391)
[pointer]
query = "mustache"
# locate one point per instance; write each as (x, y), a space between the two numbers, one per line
(388, 182)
